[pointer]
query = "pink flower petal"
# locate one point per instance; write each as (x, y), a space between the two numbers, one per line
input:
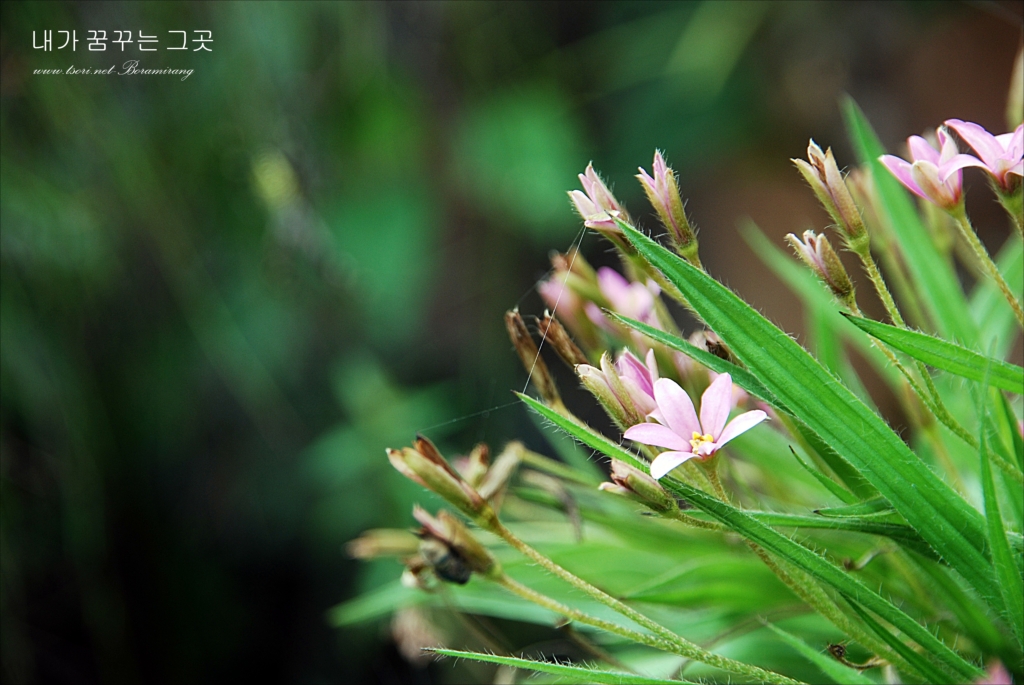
(741, 424)
(1015, 148)
(921, 149)
(652, 368)
(983, 142)
(677, 408)
(1017, 168)
(657, 435)
(901, 170)
(631, 367)
(715, 404)
(954, 164)
(666, 461)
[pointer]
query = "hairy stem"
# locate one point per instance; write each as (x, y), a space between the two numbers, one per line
(967, 231)
(663, 638)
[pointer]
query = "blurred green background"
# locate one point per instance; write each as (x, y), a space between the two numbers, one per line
(222, 297)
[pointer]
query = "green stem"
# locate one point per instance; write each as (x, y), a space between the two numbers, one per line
(667, 640)
(967, 231)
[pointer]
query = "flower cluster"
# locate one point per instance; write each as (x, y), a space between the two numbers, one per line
(937, 174)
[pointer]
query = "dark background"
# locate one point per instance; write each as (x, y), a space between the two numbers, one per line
(222, 297)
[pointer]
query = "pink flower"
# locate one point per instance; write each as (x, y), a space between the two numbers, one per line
(935, 175)
(681, 432)
(597, 206)
(634, 300)
(1000, 155)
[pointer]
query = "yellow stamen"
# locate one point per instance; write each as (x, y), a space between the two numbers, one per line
(699, 440)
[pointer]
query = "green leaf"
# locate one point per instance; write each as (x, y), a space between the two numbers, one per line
(1007, 571)
(938, 285)
(913, 658)
(576, 674)
(836, 489)
(945, 355)
(875, 505)
(774, 542)
(841, 673)
(949, 524)
(904, 535)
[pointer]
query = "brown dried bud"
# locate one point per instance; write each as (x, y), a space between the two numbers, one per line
(538, 371)
(382, 542)
(450, 548)
(554, 332)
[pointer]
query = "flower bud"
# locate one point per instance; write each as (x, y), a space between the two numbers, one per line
(826, 181)
(597, 205)
(663, 192)
(425, 465)
(817, 253)
(538, 371)
(640, 485)
(450, 548)
(596, 382)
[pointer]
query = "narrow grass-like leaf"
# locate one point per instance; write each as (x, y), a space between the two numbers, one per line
(948, 523)
(835, 488)
(904, 535)
(774, 542)
(746, 380)
(945, 355)
(874, 505)
(913, 658)
(575, 674)
(938, 286)
(841, 673)
(1007, 570)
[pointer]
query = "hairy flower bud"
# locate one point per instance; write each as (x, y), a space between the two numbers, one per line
(663, 192)
(425, 465)
(817, 253)
(825, 179)
(640, 485)
(597, 206)
(594, 380)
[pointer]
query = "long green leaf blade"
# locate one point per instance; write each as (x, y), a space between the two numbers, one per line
(949, 524)
(945, 355)
(1007, 571)
(938, 286)
(841, 673)
(771, 540)
(912, 657)
(576, 674)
